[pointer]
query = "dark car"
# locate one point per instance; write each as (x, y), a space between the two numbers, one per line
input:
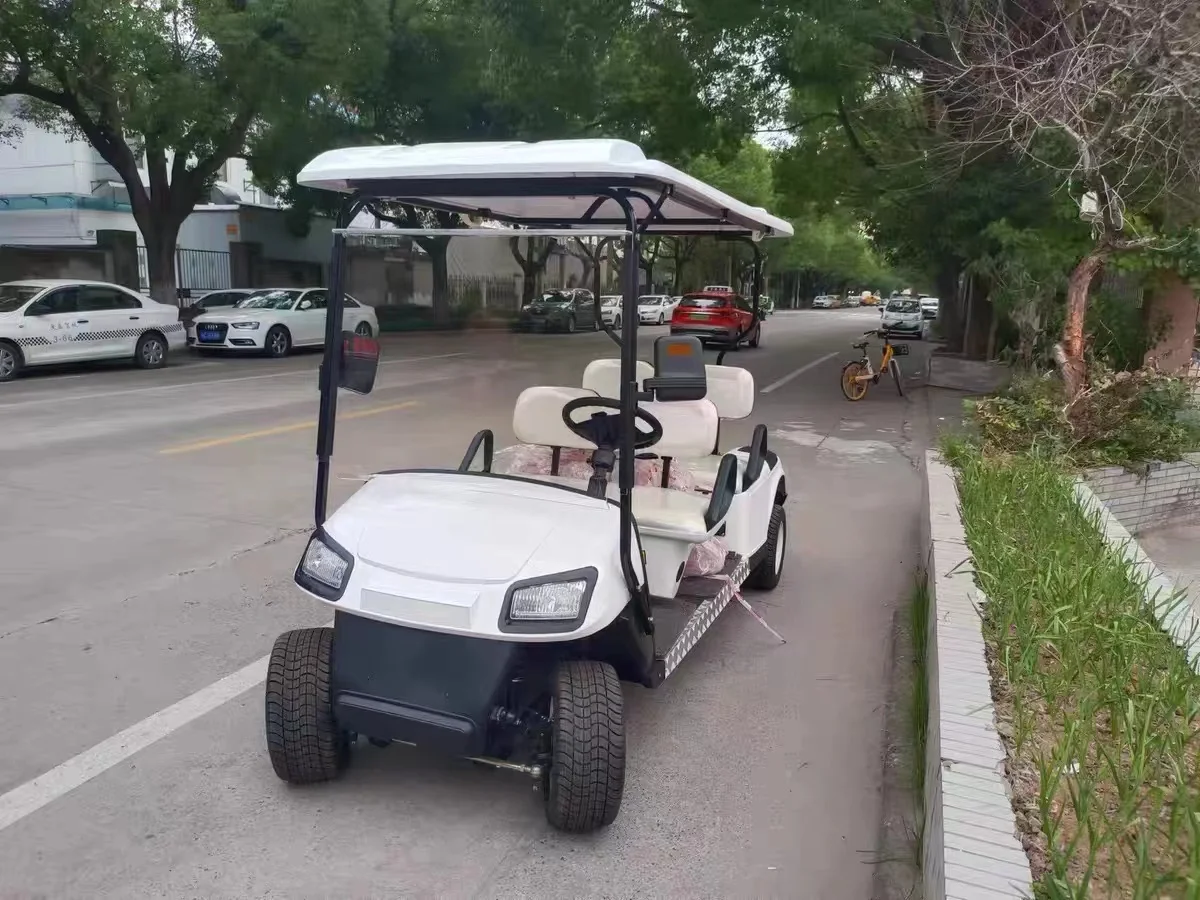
(564, 310)
(207, 303)
(717, 318)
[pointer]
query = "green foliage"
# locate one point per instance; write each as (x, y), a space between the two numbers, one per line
(1123, 418)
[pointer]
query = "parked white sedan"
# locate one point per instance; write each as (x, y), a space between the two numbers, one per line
(655, 309)
(272, 322)
(45, 322)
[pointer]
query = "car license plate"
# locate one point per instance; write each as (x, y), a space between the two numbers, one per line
(210, 335)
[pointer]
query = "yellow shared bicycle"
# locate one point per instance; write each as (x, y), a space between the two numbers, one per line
(859, 373)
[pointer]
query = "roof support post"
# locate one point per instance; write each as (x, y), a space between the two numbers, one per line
(331, 363)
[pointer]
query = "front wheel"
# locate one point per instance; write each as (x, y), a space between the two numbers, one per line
(303, 740)
(570, 325)
(853, 385)
(757, 339)
(586, 778)
(11, 361)
(660, 320)
(279, 342)
(617, 322)
(765, 575)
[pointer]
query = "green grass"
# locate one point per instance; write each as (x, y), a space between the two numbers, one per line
(1099, 706)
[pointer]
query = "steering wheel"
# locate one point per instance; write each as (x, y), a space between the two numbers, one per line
(603, 429)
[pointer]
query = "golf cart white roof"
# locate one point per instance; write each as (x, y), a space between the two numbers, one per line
(412, 173)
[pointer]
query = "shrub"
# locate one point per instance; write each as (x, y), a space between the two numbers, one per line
(1123, 418)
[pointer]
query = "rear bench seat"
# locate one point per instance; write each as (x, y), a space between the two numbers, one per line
(689, 430)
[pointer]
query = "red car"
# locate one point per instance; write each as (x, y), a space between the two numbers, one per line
(717, 317)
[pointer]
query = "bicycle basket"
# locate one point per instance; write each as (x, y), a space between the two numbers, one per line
(900, 349)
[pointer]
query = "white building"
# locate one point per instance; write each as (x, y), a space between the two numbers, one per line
(57, 194)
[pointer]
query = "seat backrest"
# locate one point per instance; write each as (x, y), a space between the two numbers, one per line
(538, 418)
(604, 376)
(731, 390)
(689, 426)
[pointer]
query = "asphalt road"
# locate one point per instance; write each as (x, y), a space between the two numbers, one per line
(152, 523)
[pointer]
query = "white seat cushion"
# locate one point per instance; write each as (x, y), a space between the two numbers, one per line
(731, 390)
(704, 470)
(655, 509)
(604, 376)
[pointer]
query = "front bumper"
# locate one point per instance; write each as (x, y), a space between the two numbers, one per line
(903, 327)
(228, 338)
(540, 323)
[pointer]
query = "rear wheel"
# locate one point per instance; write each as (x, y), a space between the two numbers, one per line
(151, 351)
(363, 328)
(11, 361)
(853, 386)
(303, 740)
(765, 575)
(587, 733)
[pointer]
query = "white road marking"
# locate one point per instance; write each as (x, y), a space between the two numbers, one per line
(100, 395)
(775, 385)
(31, 796)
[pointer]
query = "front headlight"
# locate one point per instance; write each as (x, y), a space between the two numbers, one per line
(325, 567)
(553, 603)
(547, 602)
(253, 326)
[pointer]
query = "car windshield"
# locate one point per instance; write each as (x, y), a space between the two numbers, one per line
(903, 306)
(14, 296)
(704, 302)
(270, 300)
(555, 297)
(651, 301)
(610, 301)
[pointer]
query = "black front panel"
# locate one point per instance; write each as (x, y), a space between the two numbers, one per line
(434, 690)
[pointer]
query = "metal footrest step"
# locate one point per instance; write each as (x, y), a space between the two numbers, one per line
(712, 594)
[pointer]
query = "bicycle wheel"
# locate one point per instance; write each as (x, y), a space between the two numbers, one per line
(852, 386)
(894, 368)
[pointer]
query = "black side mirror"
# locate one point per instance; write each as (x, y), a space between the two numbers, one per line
(360, 362)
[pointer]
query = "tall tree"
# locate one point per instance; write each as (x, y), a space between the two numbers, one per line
(181, 86)
(1105, 94)
(532, 258)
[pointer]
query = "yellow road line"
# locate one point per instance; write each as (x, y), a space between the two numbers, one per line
(280, 429)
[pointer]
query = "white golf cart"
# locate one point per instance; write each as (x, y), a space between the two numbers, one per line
(493, 616)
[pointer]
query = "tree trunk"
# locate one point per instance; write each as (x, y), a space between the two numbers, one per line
(437, 248)
(950, 313)
(1074, 368)
(441, 283)
(160, 238)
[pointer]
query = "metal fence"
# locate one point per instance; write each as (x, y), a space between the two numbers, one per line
(196, 271)
(494, 293)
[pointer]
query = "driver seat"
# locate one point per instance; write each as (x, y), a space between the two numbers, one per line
(689, 430)
(730, 390)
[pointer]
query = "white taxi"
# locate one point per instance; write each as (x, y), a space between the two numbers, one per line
(274, 321)
(45, 322)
